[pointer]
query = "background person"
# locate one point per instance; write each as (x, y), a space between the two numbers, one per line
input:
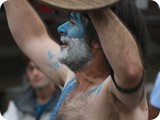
(38, 100)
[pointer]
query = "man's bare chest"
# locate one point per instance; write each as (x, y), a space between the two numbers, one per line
(87, 106)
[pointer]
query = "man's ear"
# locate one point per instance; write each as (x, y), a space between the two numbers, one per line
(96, 45)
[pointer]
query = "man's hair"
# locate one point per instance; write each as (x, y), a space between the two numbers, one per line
(26, 60)
(132, 18)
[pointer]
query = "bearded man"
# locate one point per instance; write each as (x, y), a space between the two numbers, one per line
(100, 64)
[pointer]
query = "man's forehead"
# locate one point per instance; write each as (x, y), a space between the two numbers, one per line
(78, 16)
(75, 15)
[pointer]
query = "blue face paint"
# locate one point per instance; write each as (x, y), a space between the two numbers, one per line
(74, 27)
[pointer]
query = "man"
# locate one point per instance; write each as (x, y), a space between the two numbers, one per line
(154, 106)
(37, 101)
(94, 89)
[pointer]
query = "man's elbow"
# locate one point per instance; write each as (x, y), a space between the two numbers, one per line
(134, 75)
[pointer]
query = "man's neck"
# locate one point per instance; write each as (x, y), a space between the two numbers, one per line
(95, 72)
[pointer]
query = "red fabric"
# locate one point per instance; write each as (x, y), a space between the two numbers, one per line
(45, 9)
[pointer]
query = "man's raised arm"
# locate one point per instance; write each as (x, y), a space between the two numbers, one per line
(31, 36)
(122, 53)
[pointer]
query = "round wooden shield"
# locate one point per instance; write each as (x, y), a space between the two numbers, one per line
(80, 5)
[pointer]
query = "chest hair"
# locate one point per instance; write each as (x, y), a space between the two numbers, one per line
(77, 107)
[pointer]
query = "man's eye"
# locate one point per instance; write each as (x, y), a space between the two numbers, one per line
(73, 22)
(30, 68)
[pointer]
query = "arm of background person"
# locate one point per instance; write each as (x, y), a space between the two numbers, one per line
(31, 36)
(122, 53)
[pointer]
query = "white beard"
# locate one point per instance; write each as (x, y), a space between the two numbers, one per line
(76, 55)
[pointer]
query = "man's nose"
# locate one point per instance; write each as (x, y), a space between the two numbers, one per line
(35, 71)
(62, 29)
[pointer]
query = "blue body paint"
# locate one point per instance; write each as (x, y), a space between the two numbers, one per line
(50, 55)
(74, 27)
(55, 64)
(67, 89)
(99, 89)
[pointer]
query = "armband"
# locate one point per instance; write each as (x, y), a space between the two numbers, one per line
(124, 90)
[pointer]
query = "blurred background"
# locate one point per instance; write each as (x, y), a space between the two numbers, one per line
(12, 80)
